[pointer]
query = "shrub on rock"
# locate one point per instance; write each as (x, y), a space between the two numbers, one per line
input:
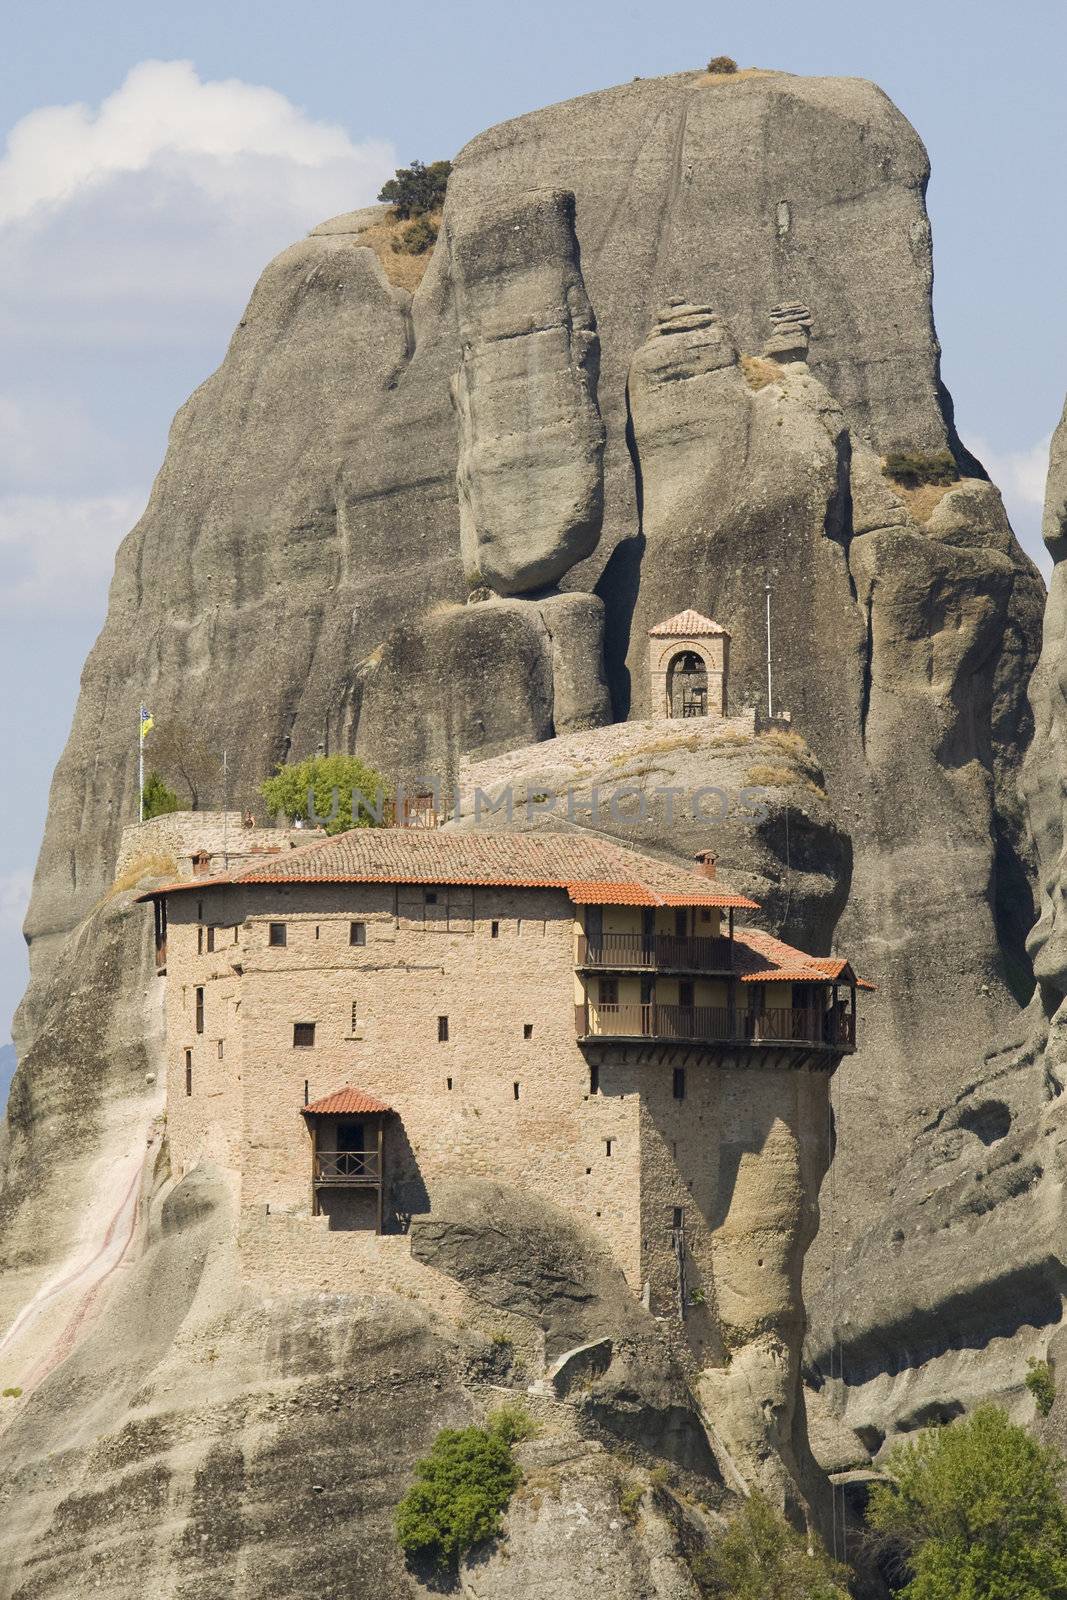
(461, 1489)
(722, 64)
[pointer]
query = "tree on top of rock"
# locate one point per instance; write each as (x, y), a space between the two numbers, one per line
(417, 189)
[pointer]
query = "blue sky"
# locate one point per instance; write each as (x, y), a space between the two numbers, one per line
(157, 156)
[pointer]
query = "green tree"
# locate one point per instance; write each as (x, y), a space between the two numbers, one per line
(157, 799)
(978, 1509)
(461, 1489)
(760, 1556)
(1041, 1384)
(417, 189)
(327, 777)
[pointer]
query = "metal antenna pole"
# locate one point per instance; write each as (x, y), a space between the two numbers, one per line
(770, 709)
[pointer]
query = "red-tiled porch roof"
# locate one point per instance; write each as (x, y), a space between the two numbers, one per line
(346, 1102)
(761, 958)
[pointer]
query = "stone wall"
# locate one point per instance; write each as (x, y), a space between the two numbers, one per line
(221, 834)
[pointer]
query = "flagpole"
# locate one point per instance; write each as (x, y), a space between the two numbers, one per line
(140, 760)
(770, 711)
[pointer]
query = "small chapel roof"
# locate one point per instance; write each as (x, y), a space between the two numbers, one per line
(688, 624)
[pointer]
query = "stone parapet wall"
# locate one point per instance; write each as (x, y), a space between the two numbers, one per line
(220, 834)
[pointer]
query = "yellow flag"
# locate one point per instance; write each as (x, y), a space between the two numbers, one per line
(146, 722)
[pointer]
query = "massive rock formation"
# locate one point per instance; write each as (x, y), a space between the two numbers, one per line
(753, 257)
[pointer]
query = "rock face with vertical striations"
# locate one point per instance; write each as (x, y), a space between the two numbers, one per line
(531, 443)
(667, 337)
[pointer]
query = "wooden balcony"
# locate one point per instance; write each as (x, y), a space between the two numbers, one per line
(658, 952)
(802, 1025)
(347, 1169)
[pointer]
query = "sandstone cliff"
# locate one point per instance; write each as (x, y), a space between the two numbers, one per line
(717, 295)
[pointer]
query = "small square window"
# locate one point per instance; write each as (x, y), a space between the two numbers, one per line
(527, 1030)
(278, 934)
(357, 933)
(442, 1030)
(431, 897)
(303, 1035)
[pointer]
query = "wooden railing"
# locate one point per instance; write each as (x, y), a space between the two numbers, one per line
(662, 952)
(347, 1166)
(717, 1024)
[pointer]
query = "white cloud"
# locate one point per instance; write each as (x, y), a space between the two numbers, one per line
(163, 114)
(1020, 476)
(150, 215)
(57, 553)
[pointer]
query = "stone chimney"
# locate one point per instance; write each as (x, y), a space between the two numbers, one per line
(705, 863)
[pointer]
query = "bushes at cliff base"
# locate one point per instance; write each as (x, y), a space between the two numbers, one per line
(761, 1555)
(977, 1510)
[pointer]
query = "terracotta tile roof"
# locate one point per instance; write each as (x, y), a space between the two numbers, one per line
(346, 1102)
(591, 870)
(762, 958)
(686, 623)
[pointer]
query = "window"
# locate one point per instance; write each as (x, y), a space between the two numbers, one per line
(277, 934)
(220, 1049)
(679, 1083)
(448, 1083)
(609, 991)
(316, 930)
(355, 1015)
(303, 1035)
(494, 930)
(442, 1030)
(594, 1079)
(705, 915)
(357, 933)
(210, 939)
(236, 932)
(199, 1009)
(681, 924)
(200, 941)
(430, 897)
(527, 1030)
(607, 1146)
(307, 1095)
(515, 1090)
(188, 1072)
(199, 911)
(676, 1218)
(685, 992)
